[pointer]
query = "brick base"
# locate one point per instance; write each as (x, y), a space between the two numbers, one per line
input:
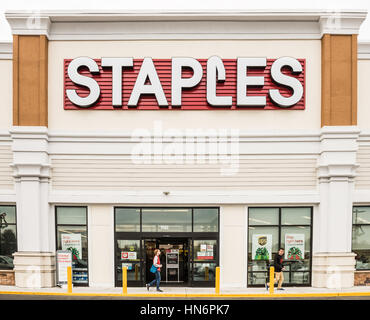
(362, 278)
(7, 278)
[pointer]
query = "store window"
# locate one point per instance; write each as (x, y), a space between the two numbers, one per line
(166, 220)
(205, 220)
(361, 236)
(8, 236)
(205, 260)
(127, 220)
(72, 235)
(272, 228)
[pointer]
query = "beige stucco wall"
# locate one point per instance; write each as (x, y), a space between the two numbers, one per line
(101, 246)
(122, 174)
(363, 108)
(6, 94)
(233, 250)
(6, 107)
(362, 179)
(6, 172)
(110, 120)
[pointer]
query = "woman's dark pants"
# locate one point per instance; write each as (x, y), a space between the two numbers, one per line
(157, 280)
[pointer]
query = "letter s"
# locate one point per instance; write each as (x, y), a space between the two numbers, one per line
(83, 81)
(285, 80)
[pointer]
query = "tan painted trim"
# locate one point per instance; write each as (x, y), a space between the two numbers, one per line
(43, 80)
(30, 69)
(325, 80)
(339, 80)
(15, 80)
(354, 78)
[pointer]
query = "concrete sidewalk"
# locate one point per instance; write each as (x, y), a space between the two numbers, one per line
(191, 292)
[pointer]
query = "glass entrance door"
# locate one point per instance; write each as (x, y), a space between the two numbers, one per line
(149, 245)
(174, 259)
(128, 254)
(175, 231)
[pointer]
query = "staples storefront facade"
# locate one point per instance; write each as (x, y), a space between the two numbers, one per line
(216, 137)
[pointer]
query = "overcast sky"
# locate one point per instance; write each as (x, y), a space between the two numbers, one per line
(330, 5)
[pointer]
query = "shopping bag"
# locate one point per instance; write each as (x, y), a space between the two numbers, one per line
(153, 269)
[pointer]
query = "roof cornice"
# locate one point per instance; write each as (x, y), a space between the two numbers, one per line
(145, 25)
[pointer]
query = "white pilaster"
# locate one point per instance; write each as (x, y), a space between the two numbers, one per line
(32, 174)
(333, 261)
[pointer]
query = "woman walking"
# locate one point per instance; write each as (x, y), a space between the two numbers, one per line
(156, 264)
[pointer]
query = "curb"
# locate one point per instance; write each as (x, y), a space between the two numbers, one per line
(282, 295)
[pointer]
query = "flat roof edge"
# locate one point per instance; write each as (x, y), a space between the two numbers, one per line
(185, 24)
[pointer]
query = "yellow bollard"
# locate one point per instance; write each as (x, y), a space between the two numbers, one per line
(69, 279)
(272, 279)
(217, 280)
(124, 281)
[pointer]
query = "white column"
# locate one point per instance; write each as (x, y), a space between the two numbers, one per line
(233, 242)
(333, 262)
(101, 246)
(34, 262)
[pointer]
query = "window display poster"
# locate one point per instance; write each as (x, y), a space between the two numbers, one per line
(73, 243)
(126, 255)
(64, 260)
(294, 246)
(205, 255)
(262, 247)
(210, 247)
(206, 252)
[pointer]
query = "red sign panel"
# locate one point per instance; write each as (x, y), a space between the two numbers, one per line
(205, 257)
(192, 98)
(124, 255)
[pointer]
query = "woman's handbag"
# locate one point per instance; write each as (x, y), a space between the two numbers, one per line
(153, 269)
